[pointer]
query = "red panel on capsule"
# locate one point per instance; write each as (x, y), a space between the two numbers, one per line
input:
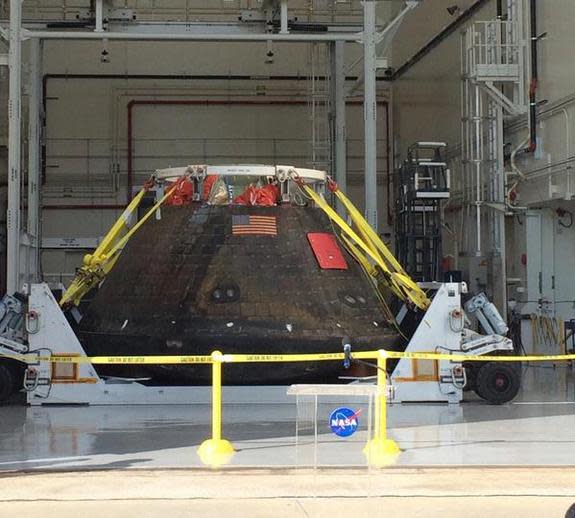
(327, 251)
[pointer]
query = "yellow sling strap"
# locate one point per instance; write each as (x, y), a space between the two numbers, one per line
(98, 264)
(392, 273)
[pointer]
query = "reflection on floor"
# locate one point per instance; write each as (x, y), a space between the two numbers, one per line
(536, 429)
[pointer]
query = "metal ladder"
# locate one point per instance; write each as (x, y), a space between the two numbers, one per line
(320, 106)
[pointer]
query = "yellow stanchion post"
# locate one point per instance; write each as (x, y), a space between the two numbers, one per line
(216, 451)
(379, 450)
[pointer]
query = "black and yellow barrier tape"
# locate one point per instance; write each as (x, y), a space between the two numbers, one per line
(460, 357)
(110, 360)
(279, 358)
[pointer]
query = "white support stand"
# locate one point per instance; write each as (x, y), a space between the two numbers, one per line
(442, 330)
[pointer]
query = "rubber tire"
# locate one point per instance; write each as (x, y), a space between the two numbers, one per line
(490, 374)
(471, 375)
(7, 382)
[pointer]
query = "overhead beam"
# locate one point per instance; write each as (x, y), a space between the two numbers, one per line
(192, 36)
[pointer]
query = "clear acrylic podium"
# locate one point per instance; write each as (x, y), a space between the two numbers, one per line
(315, 444)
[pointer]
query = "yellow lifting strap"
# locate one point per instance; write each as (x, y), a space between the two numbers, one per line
(98, 264)
(390, 272)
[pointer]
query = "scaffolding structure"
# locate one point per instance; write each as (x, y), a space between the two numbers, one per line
(421, 184)
(319, 104)
(495, 78)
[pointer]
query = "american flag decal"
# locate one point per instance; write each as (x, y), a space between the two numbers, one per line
(254, 225)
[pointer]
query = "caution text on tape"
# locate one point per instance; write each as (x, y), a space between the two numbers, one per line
(280, 358)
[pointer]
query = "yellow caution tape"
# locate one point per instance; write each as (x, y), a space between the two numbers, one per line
(281, 358)
(111, 360)
(459, 357)
(284, 358)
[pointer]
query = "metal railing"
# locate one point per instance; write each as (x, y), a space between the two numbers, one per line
(492, 48)
(215, 10)
(92, 167)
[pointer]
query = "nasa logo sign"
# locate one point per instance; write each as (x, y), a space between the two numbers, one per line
(343, 421)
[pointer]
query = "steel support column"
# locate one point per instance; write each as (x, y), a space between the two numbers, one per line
(497, 217)
(284, 17)
(478, 159)
(14, 149)
(502, 281)
(339, 119)
(370, 112)
(35, 116)
(99, 15)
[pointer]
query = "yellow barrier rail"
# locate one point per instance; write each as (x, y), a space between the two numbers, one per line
(216, 451)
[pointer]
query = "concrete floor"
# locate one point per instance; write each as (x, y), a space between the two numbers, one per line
(536, 429)
(440, 507)
(510, 460)
(398, 492)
